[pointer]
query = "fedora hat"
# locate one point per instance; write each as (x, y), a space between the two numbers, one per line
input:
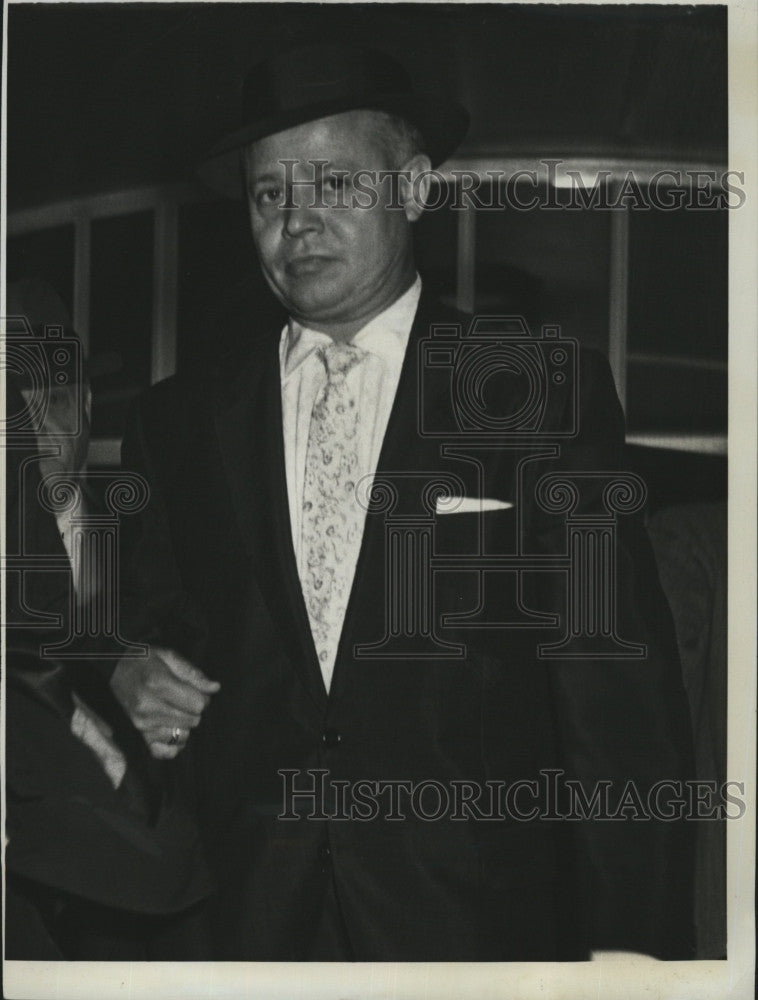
(309, 82)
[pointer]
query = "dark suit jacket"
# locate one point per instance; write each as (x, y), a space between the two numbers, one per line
(210, 569)
(690, 544)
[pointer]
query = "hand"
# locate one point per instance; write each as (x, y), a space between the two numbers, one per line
(88, 727)
(164, 695)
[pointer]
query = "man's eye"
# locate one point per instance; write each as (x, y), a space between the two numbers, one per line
(268, 196)
(336, 182)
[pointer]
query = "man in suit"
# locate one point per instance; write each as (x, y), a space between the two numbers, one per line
(306, 690)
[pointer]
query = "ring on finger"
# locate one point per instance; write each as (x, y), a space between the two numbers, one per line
(176, 735)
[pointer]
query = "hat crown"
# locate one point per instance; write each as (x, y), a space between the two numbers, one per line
(307, 83)
(319, 75)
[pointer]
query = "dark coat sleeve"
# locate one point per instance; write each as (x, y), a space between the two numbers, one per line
(619, 720)
(154, 605)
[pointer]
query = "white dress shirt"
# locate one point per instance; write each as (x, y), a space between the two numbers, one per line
(385, 339)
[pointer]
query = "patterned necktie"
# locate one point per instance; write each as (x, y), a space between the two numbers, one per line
(332, 521)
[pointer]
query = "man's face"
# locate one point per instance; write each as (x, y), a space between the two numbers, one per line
(327, 265)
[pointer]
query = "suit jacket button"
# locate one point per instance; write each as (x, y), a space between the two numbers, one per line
(324, 852)
(331, 738)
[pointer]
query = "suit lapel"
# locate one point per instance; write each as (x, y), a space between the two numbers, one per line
(405, 448)
(406, 457)
(248, 420)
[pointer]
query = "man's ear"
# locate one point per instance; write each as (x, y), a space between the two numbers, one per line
(413, 188)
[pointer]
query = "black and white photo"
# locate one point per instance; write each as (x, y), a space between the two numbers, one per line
(379, 536)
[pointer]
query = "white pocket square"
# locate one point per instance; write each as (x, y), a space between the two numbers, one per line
(469, 505)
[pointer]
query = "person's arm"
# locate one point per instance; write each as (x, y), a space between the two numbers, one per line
(163, 693)
(620, 719)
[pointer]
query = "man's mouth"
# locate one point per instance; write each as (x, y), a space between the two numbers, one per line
(307, 264)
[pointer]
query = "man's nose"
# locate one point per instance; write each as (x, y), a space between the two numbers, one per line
(302, 219)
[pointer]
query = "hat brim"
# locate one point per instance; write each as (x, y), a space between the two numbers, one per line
(443, 127)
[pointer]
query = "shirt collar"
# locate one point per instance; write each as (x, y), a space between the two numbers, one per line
(386, 335)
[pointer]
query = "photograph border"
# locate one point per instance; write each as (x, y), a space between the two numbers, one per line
(614, 976)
